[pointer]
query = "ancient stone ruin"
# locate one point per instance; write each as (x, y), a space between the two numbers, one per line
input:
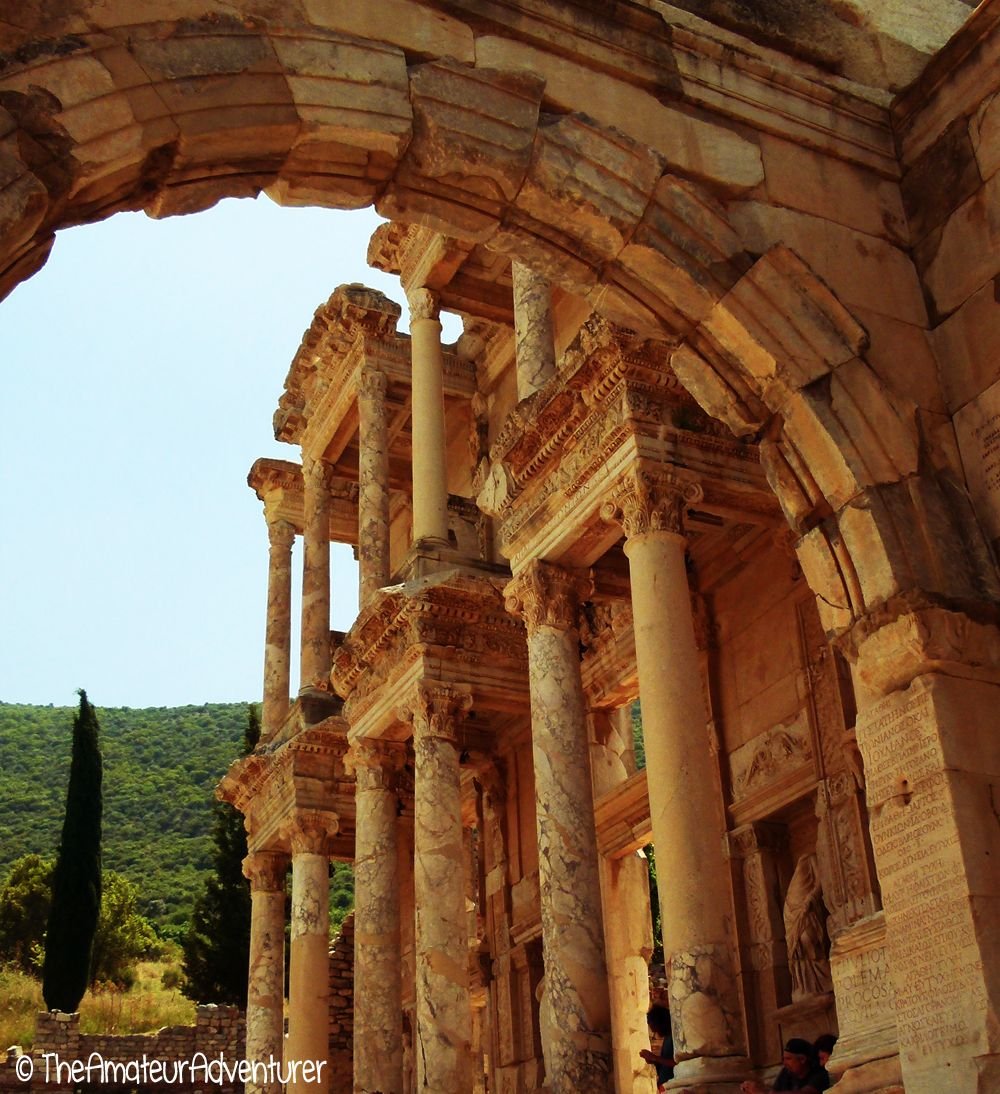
(721, 435)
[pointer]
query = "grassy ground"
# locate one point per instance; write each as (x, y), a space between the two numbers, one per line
(144, 1008)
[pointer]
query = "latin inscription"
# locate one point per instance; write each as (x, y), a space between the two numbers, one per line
(865, 995)
(937, 978)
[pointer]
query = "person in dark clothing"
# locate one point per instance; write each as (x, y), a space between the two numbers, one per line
(823, 1047)
(658, 1020)
(800, 1071)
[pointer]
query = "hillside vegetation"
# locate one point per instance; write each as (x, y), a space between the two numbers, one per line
(161, 765)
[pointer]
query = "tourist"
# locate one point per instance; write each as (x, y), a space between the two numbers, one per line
(658, 1020)
(800, 1071)
(823, 1047)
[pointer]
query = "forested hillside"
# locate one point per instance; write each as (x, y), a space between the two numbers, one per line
(161, 765)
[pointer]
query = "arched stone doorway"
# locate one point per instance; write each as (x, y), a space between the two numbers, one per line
(456, 126)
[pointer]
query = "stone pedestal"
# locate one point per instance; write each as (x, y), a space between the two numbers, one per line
(578, 1043)
(927, 728)
(378, 1006)
(373, 485)
(430, 471)
(684, 796)
(443, 1007)
(266, 984)
(309, 977)
(278, 635)
(535, 343)
(315, 659)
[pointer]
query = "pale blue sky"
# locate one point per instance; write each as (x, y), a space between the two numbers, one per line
(139, 370)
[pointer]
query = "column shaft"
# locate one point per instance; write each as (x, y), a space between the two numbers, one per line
(684, 808)
(444, 1012)
(378, 1005)
(430, 480)
(309, 964)
(278, 639)
(316, 576)
(373, 485)
(266, 983)
(533, 328)
(578, 1044)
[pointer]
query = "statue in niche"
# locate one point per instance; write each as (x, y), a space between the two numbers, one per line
(805, 932)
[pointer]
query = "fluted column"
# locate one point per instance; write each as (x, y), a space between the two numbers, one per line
(373, 484)
(684, 799)
(266, 983)
(535, 340)
(578, 1045)
(444, 1010)
(430, 478)
(278, 635)
(378, 957)
(315, 658)
(309, 965)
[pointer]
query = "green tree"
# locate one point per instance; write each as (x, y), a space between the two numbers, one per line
(217, 945)
(123, 936)
(24, 910)
(76, 881)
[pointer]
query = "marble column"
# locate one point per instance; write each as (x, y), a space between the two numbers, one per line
(315, 658)
(373, 484)
(278, 636)
(309, 964)
(578, 1044)
(443, 1006)
(533, 330)
(684, 796)
(928, 686)
(378, 958)
(430, 471)
(266, 984)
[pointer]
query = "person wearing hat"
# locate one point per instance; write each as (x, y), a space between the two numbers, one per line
(800, 1071)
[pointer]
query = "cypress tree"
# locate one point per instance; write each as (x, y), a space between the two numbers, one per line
(76, 880)
(217, 945)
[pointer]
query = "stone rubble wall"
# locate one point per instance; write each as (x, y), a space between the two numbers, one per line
(218, 1030)
(342, 1008)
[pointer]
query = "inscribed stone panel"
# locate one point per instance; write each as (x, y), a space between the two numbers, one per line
(978, 427)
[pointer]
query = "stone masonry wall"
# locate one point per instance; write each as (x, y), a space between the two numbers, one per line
(217, 1032)
(342, 1008)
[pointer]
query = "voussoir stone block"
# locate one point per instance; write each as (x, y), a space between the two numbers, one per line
(685, 248)
(473, 130)
(584, 194)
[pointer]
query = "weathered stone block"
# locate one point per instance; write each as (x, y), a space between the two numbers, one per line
(985, 130)
(403, 23)
(966, 253)
(968, 346)
(942, 177)
(473, 131)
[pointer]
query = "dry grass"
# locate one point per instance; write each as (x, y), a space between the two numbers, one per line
(143, 1008)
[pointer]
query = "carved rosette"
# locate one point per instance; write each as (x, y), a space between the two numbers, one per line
(310, 830)
(266, 871)
(375, 764)
(544, 595)
(424, 304)
(651, 501)
(436, 711)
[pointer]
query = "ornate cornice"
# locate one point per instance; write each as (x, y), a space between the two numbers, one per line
(544, 595)
(652, 500)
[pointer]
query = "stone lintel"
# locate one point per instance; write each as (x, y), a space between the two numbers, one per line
(622, 818)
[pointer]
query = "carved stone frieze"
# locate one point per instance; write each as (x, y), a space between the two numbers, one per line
(770, 757)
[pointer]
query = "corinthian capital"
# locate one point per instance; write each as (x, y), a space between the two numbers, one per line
(372, 383)
(281, 534)
(375, 764)
(547, 595)
(436, 710)
(310, 831)
(316, 473)
(424, 304)
(266, 871)
(651, 501)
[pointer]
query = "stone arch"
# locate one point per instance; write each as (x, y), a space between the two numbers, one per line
(170, 116)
